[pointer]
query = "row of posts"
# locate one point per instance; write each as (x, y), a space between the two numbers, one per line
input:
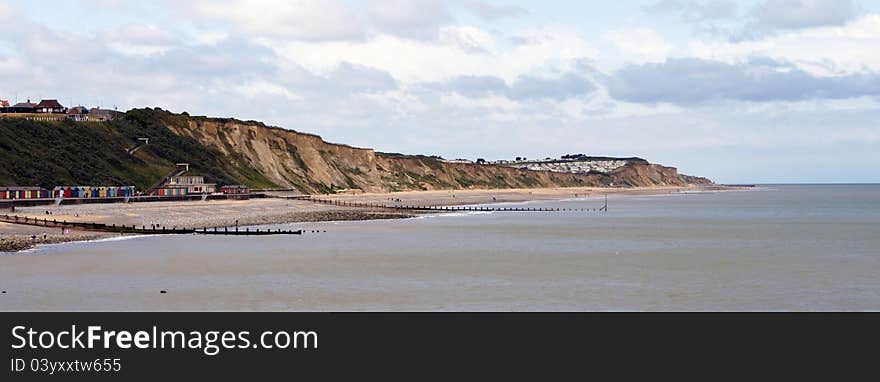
(46, 222)
(435, 208)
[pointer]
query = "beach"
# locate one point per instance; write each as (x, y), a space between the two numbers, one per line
(263, 211)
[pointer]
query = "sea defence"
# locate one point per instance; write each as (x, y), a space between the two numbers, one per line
(342, 203)
(143, 230)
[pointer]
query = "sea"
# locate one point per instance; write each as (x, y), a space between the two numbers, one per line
(769, 248)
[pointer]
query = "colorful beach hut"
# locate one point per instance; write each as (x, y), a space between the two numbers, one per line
(172, 191)
(125, 191)
(62, 192)
(25, 193)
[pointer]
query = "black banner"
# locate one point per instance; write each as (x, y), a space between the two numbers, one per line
(116, 346)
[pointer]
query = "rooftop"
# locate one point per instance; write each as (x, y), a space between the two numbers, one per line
(49, 103)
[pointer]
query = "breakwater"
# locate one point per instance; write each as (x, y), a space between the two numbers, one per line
(342, 203)
(143, 230)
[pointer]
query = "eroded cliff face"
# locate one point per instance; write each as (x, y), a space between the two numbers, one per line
(291, 159)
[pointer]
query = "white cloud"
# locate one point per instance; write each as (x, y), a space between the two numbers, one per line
(847, 49)
(797, 14)
(142, 40)
(544, 49)
(644, 43)
(310, 20)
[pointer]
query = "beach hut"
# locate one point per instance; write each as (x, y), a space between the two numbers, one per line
(4, 194)
(96, 192)
(62, 192)
(26, 193)
(102, 192)
(112, 191)
(173, 191)
(126, 191)
(76, 192)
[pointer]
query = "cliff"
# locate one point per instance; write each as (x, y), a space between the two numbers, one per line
(232, 151)
(292, 159)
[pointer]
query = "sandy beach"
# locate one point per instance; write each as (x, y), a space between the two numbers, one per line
(227, 213)
(467, 197)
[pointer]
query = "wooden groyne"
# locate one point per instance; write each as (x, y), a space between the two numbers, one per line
(342, 203)
(143, 230)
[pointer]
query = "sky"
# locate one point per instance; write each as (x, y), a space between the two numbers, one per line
(762, 91)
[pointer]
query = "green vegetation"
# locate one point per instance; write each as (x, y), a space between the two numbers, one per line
(54, 153)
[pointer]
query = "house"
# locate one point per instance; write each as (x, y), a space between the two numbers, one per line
(193, 184)
(78, 113)
(23, 107)
(50, 106)
(235, 189)
(4, 106)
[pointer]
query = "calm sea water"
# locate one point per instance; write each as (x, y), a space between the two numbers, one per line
(774, 248)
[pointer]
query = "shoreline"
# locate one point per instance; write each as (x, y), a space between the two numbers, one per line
(255, 212)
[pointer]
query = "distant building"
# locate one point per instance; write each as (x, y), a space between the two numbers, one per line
(4, 103)
(193, 184)
(23, 107)
(235, 189)
(50, 106)
(78, 113)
